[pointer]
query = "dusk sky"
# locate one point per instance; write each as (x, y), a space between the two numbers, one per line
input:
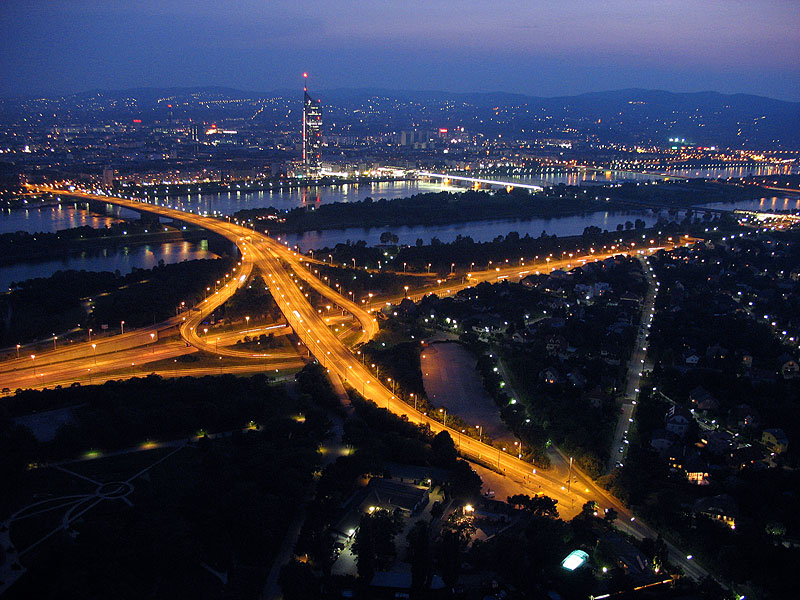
(526, 46)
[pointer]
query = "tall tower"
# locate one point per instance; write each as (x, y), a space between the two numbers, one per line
(312, 131)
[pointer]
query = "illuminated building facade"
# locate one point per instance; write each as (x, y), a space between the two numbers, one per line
(312, 132)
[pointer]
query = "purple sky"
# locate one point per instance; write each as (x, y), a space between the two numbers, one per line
(535, 47)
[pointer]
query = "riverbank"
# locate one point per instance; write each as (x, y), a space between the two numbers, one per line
(23, 247)
(429, 209)
(438, 209)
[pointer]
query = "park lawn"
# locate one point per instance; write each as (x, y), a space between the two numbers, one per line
(42, 483)
(120, 467)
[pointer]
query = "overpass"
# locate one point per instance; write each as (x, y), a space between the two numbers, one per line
(509, 185)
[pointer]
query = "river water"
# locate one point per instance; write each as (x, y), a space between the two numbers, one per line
(54, 218)
(124, 259)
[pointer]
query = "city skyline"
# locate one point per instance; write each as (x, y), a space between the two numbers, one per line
(528, 48)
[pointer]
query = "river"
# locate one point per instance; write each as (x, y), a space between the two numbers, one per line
(480, 231)
(54, 218)
(124, 259)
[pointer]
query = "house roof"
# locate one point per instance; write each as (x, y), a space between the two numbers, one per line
(394, 493)
(778, 434)
(723, 505)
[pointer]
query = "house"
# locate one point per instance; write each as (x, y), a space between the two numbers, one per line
(418, 476)
(577, 379)
(745, 416)
(663, 440)
(625, 555)
(395, 495)
(718, 441)
(776, 440)
(716, 352)
(702, 400)
(556, 344)
(550, 375)
(487, 323)
(745, 457)
(719, 508)
(596, 397)
(677, 420)
(584, 291)
(696, 471)
(692, 360)
(601, 287)
(789, 369)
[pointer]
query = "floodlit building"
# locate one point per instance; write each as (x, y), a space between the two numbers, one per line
(312, 132)
(776, 440)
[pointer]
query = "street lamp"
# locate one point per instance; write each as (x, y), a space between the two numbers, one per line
(405, 294)
(18, 347)
(480, 432)
(55, 337)
(33, 363)
(94, 350)
(122, 327)
(444, 419)
(153, 339)
(247, 321)
(569, 481)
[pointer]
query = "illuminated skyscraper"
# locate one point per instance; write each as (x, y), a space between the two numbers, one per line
(312, 131)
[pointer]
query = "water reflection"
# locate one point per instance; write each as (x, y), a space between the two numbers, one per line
(480, 231)
(762, 204)
(124, 259)
(50, 218)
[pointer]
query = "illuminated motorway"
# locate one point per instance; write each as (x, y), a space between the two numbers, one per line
(83, 364)
(287, 280)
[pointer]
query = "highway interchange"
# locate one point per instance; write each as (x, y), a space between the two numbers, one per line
(289, 279)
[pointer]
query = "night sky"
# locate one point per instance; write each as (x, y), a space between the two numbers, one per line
(534, 47)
